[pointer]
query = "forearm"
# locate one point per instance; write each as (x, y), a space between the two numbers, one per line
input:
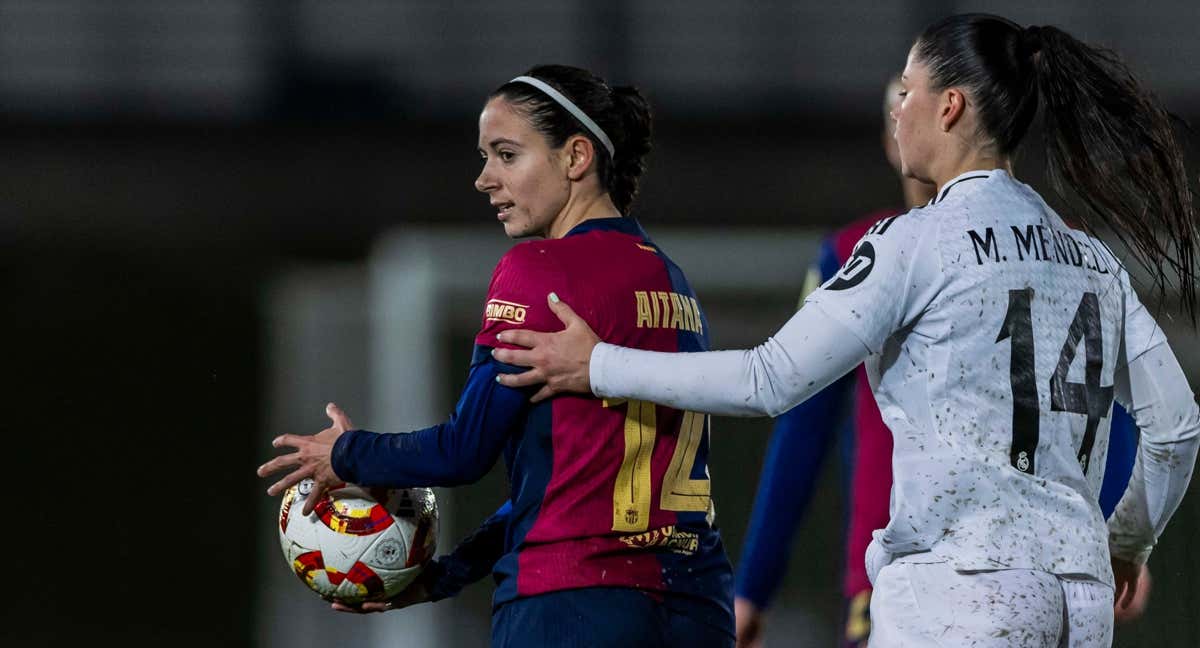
(456, 452)
(427, 457)
(811, 351)
(1162, 404)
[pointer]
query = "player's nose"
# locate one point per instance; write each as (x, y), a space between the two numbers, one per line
(486, 182)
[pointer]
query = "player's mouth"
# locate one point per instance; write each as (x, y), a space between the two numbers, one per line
(502, 209)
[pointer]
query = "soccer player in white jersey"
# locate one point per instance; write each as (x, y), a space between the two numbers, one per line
(996, 338)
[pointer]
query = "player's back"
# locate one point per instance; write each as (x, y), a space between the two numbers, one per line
(998, 388)
(608, 493)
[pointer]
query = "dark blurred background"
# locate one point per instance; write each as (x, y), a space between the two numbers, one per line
(170, 168)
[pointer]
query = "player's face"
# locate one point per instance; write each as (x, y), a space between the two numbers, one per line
(916, 121)
(524, 178)
(891, 105)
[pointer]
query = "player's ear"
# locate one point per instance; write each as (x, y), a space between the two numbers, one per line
(953, 106)
(580, 156)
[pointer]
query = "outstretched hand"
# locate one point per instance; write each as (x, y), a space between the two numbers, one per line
(312, 459)
(560, 360)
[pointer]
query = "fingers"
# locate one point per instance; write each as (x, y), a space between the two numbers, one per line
(1127, 593)
(278, 463)
(515, 357)
(318, 493)
(531, 377)
(521, 337)
(1120, 588)
(292, 479)
(287, 440)
(365, 607)
(543, 393)
(357, 608)
(338, 417)
(565, 313)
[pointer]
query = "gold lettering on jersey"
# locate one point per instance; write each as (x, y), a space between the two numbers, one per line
(631, 492)
(644, 318)
(676, 312)
(498, 310)
(680, 542)
(670, 310)
(664, 301)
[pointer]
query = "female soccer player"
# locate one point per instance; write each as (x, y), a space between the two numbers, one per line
(996, 339)
(802, 438)
(608, 537)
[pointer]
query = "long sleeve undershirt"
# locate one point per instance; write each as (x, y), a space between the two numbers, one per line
(811, 351)
(1155, 391)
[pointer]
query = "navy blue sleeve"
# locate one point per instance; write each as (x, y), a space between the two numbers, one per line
(799, 443)
(459, 451)
(827, 261)
(473, 558)
(1122, 450)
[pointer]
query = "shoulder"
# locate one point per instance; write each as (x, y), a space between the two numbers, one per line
(904, 229)
(527, 255)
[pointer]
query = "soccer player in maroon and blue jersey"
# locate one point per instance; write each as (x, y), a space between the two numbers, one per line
(607, 538)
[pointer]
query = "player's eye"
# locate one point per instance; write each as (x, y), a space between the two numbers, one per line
(903, 93)
(507, 156)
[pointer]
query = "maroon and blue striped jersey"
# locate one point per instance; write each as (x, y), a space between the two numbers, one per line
(603, 493)
(607, 493)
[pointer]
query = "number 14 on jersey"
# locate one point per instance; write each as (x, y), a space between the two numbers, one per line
(1088, 398)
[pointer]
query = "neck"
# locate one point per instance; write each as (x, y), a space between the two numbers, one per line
(979, 160)
(579, 209)
(917, 193)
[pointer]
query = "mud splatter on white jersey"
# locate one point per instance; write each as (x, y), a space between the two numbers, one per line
(993, 357)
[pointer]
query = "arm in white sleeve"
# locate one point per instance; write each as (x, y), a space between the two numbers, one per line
(1155, 391)
(809, 352)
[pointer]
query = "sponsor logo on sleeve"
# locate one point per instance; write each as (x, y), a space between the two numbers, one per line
(856, 269)
(498, 310)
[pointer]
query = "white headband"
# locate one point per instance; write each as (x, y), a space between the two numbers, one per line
(571, 108)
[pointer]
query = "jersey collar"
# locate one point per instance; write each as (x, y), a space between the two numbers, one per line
(968, 177)
(625, 225)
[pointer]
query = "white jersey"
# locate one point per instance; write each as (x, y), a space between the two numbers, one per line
(992, 362)
(996, 339)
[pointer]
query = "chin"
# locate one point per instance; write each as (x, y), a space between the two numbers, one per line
(516, 231)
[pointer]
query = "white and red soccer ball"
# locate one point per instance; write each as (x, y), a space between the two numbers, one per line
(358, 544)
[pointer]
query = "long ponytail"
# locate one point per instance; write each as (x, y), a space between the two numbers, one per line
(1112, 142)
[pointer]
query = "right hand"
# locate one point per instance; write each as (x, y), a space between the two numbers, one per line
(416, 592)
(1132, 590)
(749, 622)
(560, 360)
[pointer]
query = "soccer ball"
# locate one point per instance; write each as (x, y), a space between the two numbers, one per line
(358, 544)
